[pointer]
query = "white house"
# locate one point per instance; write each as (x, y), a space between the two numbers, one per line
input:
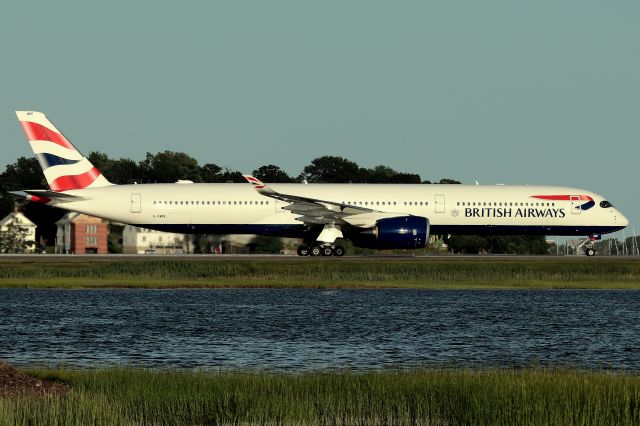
(20, 220)
(136, 240)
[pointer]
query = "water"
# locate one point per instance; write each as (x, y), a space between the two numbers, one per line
(319, 329)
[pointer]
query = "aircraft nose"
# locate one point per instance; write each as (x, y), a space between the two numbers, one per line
(621, 219)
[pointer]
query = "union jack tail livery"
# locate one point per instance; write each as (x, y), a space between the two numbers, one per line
(64, 167)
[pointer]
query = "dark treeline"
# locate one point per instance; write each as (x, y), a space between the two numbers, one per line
(168, 167)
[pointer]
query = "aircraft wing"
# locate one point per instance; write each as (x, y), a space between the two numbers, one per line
(311, 210)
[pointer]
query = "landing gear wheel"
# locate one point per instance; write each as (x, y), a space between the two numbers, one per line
(316, 251)
(590, 251)
(338, 251)
(303, 251)
(327, 251)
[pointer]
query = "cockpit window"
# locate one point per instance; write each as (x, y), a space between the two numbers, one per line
(605, 204)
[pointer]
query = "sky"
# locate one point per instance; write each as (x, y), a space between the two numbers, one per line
(544, 92)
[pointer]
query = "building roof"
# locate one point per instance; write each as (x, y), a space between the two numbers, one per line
(17, 217)
(74, 217)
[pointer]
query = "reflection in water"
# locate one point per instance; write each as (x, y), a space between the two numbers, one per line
(320, 329)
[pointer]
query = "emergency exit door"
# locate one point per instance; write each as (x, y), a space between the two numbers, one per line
(136, 203)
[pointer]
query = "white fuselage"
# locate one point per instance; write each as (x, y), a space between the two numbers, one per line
(238, 208)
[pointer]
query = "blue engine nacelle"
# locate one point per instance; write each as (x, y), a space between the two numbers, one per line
(404, 232)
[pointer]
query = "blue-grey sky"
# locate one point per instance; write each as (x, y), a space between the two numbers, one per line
(541, 92)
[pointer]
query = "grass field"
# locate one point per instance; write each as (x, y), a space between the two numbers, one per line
(440, 273)
(437, 397)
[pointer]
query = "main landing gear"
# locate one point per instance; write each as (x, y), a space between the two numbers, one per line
(321, 250)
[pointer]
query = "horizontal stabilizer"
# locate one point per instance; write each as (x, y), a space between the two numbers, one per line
(44, 196)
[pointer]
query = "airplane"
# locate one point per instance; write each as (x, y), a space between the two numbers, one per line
(379, 216)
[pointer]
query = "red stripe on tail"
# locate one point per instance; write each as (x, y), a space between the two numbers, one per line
(37, 132)
(64, 183)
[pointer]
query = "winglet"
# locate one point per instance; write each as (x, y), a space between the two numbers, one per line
(258, 185)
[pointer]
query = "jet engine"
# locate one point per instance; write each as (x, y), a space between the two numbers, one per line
(404, 232)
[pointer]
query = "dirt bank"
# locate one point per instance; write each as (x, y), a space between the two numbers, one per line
(14, 383)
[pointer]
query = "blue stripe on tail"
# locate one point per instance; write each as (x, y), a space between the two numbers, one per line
(50, 160)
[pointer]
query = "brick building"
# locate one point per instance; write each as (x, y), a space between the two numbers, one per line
(81, 234)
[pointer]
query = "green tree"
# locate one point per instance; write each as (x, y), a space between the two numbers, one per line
(211, 173)
(384, 174)
(14, 239)
(232, 176)
(272, 174)
(121, 171)
(498, 244)
(467, 244)
(449, 181)
(265, 245)
(169, 167)
(330, 169)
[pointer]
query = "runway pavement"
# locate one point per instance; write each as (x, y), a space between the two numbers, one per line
(49, 258)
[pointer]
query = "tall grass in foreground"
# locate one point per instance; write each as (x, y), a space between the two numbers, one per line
(525, 397)
(320, 273)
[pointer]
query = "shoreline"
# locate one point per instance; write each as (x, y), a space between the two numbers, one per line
(432, 273)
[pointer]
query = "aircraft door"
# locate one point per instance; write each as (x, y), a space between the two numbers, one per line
(136, 203)
(440, 203)
(575, 204)
(279, 205)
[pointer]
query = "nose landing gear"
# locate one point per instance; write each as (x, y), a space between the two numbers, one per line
(589, 245)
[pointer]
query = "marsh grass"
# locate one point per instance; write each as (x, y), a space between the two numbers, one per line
(447, 273)
(525, 397)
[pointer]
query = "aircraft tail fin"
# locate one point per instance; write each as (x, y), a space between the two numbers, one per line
(64, 167)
